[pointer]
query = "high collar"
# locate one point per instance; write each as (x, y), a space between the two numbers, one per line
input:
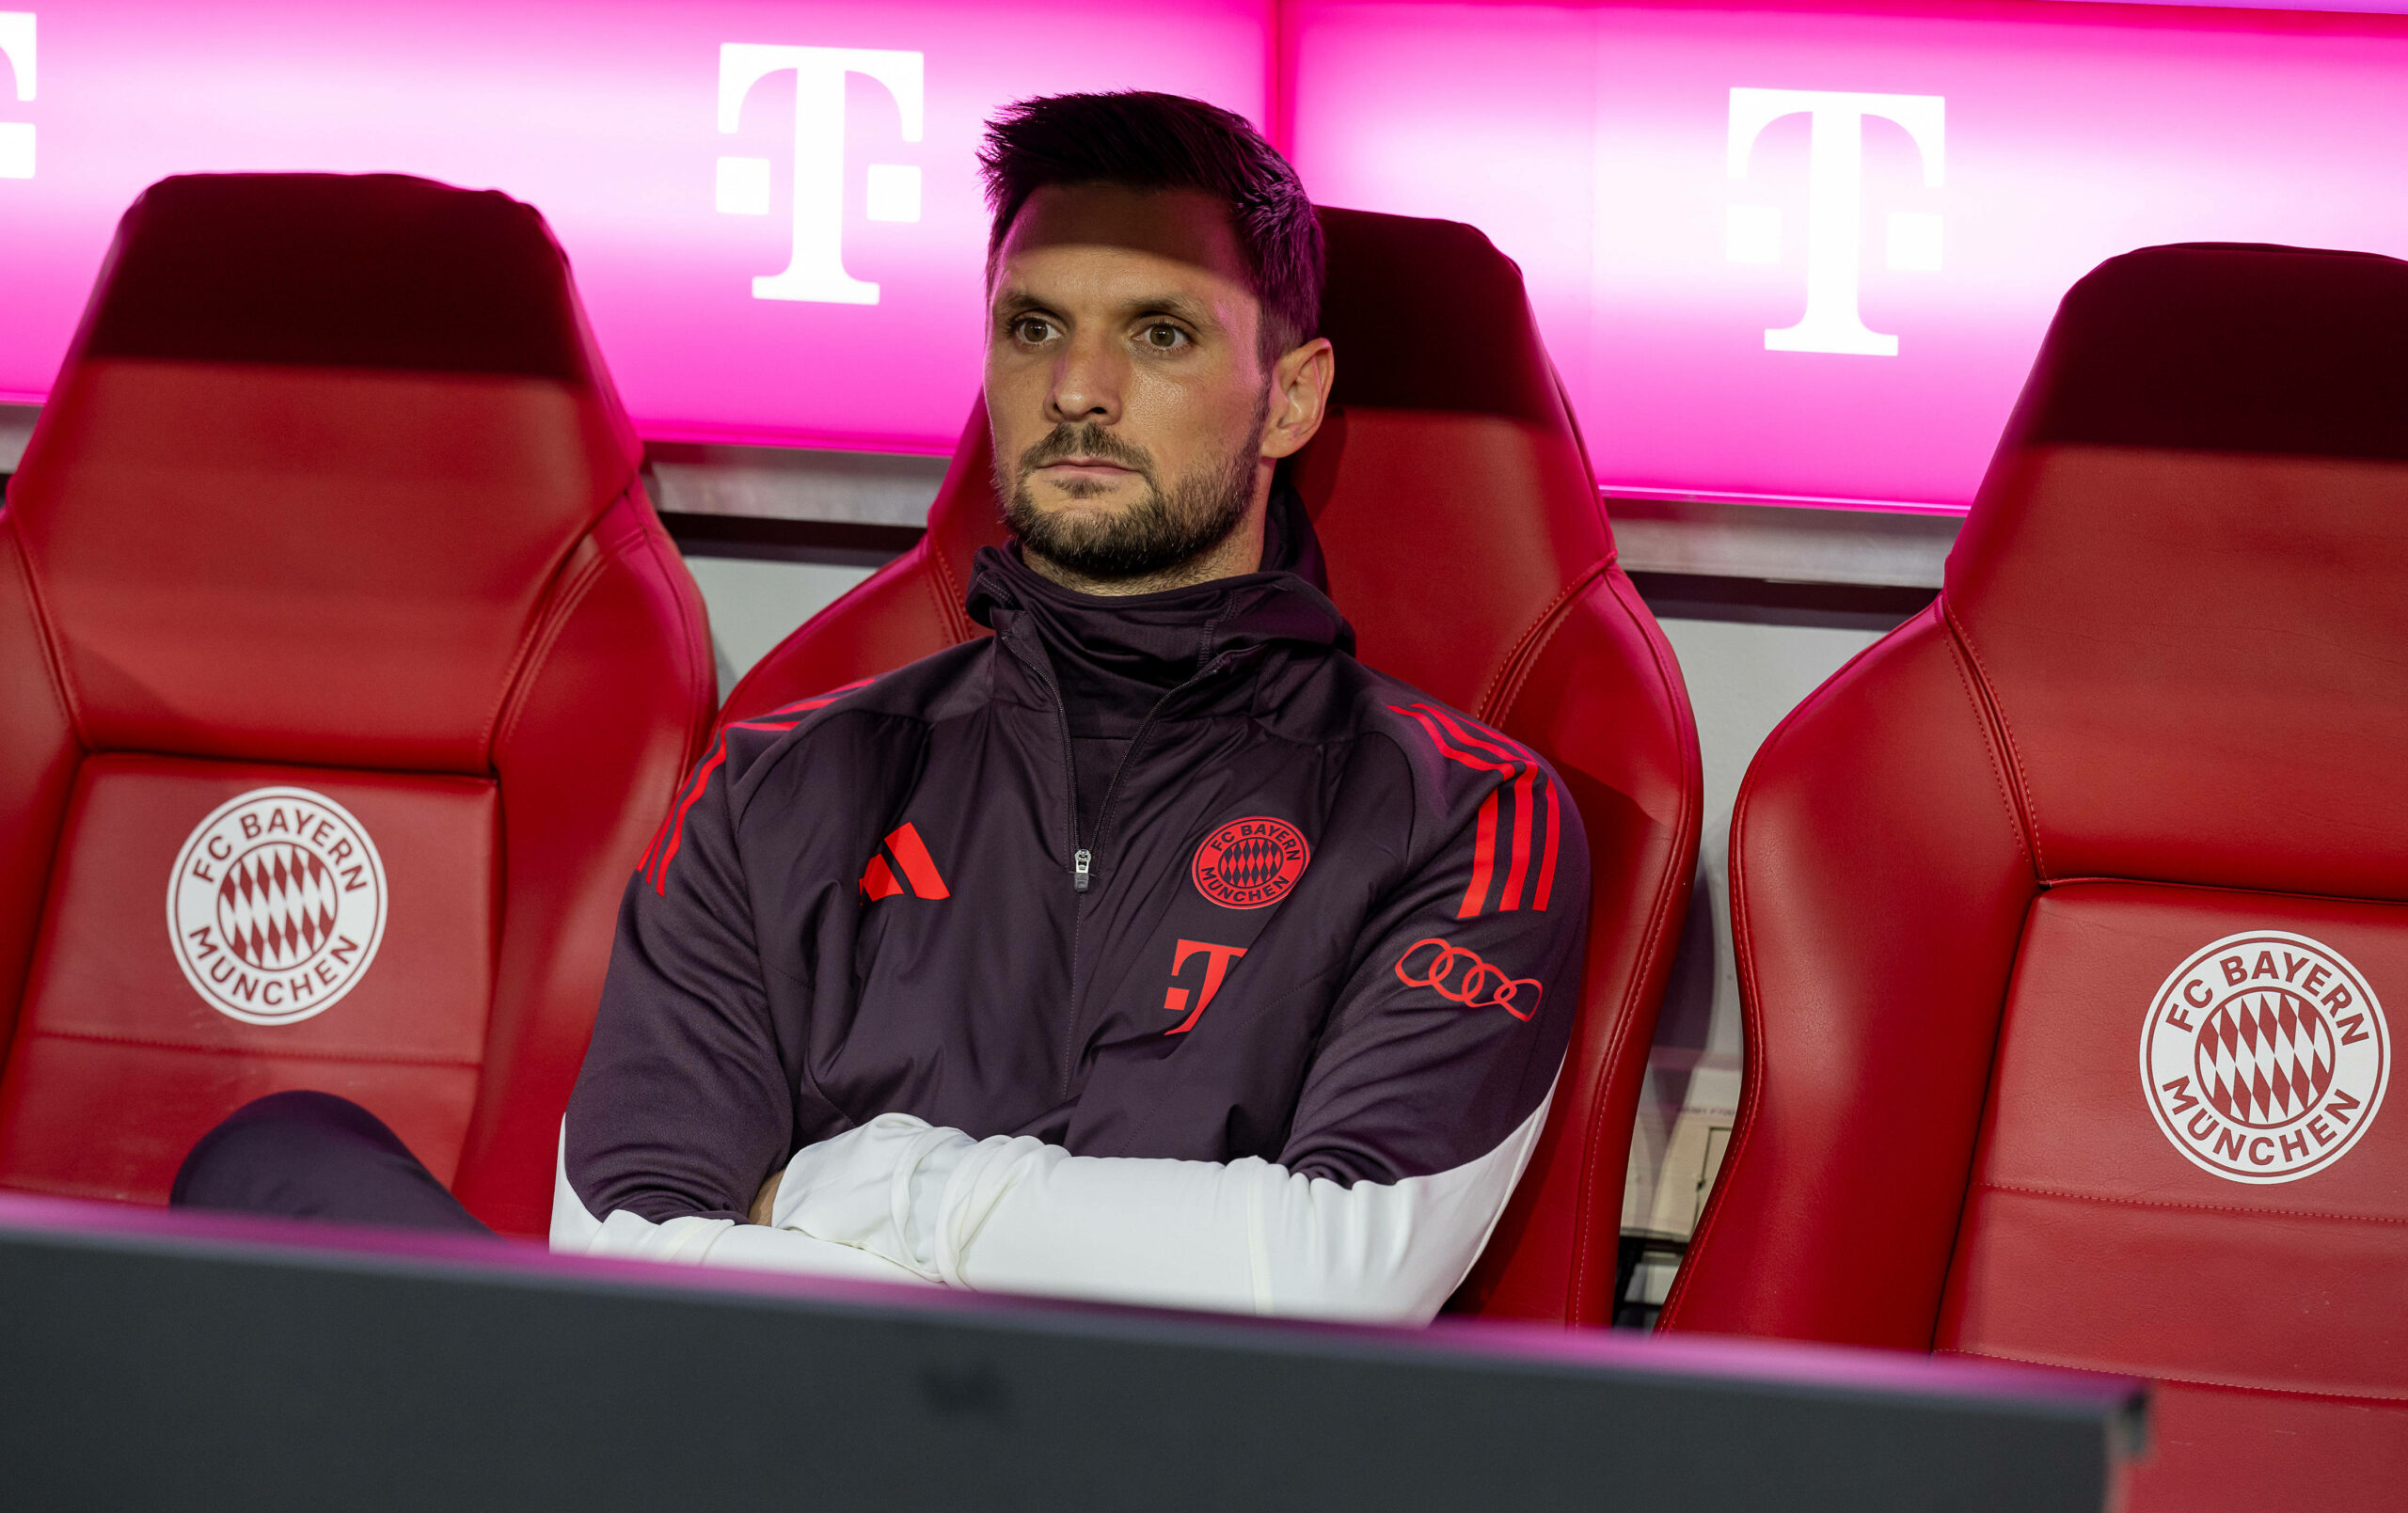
(1114, 656)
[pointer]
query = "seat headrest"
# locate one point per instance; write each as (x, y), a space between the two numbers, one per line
(330, 271)
(2227, 348)
(2180, 581)
(1452, 494)
(1449, 486)
(1433, 319)
(314, 457)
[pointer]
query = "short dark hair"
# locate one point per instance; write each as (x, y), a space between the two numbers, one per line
(1142, 140)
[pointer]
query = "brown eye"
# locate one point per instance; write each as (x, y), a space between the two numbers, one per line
(1163, 336)
(1030, 329)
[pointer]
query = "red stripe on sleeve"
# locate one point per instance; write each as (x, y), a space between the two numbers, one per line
(1483, 858)
(643, 868)
(1447, 749)
(677, 820)
(695, 791)
(1523, 770)
(1478, 736)
(819, 700)
(1512, 899)
(1547, 863)
(1482, 737)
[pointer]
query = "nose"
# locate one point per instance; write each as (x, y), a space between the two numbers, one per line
(1086, 382)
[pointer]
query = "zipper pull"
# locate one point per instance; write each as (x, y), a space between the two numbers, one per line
(1080, 863)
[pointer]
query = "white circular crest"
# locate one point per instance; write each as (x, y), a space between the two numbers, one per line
(277, 906)
(2265, 1057)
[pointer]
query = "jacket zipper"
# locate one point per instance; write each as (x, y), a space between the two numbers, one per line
(1083, 859)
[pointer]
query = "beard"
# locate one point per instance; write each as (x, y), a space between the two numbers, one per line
(1165, 528)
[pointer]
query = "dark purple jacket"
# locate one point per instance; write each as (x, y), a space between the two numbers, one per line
(1167, 875)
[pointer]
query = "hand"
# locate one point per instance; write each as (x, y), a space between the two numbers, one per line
(766, 1198)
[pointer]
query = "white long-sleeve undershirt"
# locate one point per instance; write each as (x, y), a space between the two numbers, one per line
(696, 1240)
(898, 1200)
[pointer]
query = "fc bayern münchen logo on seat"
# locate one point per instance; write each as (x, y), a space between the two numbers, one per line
(2265, 1057)
(277, 906)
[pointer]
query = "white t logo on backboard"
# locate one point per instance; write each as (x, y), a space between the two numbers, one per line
(16, 136)
(1834, 208)
(817, 268)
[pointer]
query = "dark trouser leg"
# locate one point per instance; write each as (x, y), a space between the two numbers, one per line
(315, 1156)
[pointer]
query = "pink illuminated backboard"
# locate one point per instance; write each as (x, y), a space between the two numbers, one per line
(1807, 252)
(773, 208)
(1791, 251)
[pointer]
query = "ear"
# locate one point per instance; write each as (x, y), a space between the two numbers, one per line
(1300, 383)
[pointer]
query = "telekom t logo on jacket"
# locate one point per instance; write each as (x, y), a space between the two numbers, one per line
(1834, 208)
(1217, 969)
(816, 270)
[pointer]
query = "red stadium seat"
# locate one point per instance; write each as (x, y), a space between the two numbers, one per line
(2067, 916)
(344, 671)
(1465, 540)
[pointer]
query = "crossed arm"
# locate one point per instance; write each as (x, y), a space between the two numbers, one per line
(898, 1200)
(1414, 1120)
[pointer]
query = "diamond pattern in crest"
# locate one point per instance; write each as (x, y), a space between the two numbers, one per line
(2265, 1057)
(1251, 862)
(277, 906)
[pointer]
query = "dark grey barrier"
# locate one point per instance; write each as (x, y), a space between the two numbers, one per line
(195, 1363)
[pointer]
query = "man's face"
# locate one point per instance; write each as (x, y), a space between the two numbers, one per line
(1124, 382)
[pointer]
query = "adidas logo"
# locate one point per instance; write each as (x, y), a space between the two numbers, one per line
(903, 867)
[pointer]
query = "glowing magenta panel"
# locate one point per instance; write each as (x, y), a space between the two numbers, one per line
(607, 114)
(1801, 252)
(1780, 250)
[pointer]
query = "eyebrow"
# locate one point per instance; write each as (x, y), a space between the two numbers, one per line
(1179, 307)
(1016, 302)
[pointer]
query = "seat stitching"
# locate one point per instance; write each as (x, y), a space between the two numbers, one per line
(658, 547)
(1515, 665)
(539, 625)
(1673, 883)
(552, 621)
(949, 596)
(44, 1032)
(2096, 879)
(54, 659)
(1752, 1035)
(54, 669)
(2185, 1377)
(2027, 811)
(2027, 843)
(2108, 1199)
(1751, 1039)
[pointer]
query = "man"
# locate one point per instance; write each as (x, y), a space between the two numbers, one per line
(1153, 948)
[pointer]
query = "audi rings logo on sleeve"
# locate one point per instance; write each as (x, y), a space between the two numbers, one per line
(1455, 973)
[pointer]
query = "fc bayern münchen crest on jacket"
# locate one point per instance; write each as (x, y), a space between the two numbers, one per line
(2265, 1057)
(277, 906)
(1250, 863)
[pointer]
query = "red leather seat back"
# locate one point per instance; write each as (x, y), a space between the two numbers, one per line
(2068, 914)
(332, 505)
(1466, 542)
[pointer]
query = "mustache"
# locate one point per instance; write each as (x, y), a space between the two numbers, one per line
(1087, 439)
